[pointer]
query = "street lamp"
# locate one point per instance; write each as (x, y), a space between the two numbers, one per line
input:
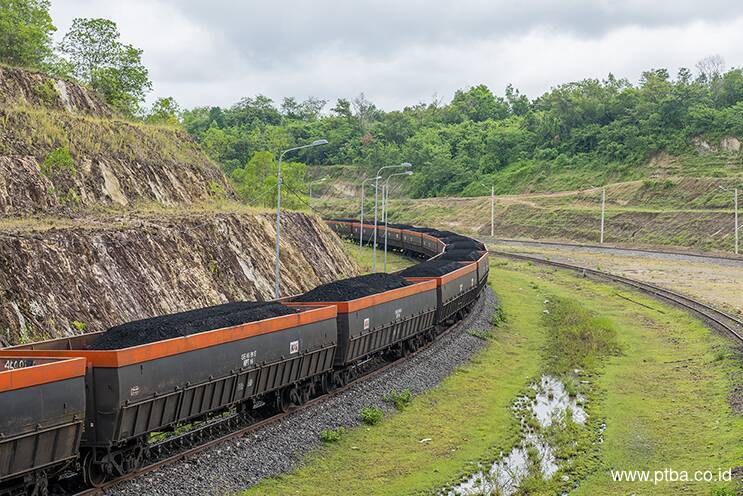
(316, 182)
(376, 196)
(735, 203)
(385, 209)
(361, 227)
(278, 211)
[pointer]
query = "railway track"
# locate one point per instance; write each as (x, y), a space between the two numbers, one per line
(718, 319)
(605, 248)
(181, 455)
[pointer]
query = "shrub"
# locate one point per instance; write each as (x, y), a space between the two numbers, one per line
(80, 326)
(58, 161)
(400, 399)
(498, 317)
(371, 415)
(332, 435)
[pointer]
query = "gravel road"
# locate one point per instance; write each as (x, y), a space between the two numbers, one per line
(280, 447)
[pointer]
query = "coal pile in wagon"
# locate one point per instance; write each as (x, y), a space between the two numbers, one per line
(465, 244)
(431, 268)
(464, 255)
(186, 323)
(356, 287)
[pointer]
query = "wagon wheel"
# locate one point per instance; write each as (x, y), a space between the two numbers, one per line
(94, 474)
(283, 400)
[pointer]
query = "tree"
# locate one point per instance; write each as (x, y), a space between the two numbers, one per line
(25, 32)
(477, 104)
(112, 68)
(164, 111)
(256, 181)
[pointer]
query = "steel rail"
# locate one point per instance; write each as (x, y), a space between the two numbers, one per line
(94, 491)
(604, 247)
(720, 320)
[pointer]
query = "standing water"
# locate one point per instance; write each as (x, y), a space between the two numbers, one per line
(550, 405)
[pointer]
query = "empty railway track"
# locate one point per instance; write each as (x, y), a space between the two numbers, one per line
(722, 321)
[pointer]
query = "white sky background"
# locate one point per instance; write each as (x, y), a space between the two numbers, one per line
(214, 52)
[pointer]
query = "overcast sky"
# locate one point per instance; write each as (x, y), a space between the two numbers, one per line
(214, 52)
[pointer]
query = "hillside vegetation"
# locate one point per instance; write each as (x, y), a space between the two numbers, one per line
(578, 134)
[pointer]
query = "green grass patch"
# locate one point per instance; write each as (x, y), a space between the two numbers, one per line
(371, 415)
(663, 399)
(400, 399)
(332, 435)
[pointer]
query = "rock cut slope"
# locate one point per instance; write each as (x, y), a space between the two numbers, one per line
(127, 221)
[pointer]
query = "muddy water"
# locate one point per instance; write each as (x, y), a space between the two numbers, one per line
(551, 404)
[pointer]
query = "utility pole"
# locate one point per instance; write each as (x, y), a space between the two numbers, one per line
(277, 271)
(735, 197)
(603, 211)
(492, 211)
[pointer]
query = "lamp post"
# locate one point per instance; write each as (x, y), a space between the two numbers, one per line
(385, 209)
(735, 206)
(316, 182)
(361, 227)
(376, 200)
(277, 281)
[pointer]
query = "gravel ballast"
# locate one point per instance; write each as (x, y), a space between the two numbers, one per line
(280, 447)
(186, 323)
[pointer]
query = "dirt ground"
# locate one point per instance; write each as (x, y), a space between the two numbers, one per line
(717, 282)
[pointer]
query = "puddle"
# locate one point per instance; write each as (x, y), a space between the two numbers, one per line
(550, 405)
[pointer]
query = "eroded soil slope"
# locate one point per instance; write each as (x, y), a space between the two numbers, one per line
(84, 279)
(104, 220)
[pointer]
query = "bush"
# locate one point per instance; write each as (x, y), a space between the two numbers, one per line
(58, 161)
(371, 415)
(499, 317)
(400, 399)
(332, 435)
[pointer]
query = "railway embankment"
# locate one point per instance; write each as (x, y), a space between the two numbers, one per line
(104, 220)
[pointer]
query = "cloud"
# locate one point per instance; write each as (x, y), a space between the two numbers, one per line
(399, 53)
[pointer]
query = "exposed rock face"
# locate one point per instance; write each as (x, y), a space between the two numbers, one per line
(85, 279)
(78, 253)
(111, 162)
(20, 86)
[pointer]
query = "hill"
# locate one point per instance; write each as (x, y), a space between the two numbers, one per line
(104, 220)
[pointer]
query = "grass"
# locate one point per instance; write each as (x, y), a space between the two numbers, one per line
(663, 399)
(364, 258)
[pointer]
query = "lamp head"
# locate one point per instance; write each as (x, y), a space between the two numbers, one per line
(320, 142)
(406, 164)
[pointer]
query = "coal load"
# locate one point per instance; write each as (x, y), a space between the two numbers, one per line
(186, 323)
(443, 234)
(470, 244)
(353, 288)
(463, 255)
(431, 268)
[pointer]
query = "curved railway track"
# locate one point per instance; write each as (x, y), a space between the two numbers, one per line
(718, 319)
(605, 248)
(216, 440)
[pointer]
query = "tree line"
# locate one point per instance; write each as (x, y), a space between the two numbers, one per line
(457, 147)
(91, 52)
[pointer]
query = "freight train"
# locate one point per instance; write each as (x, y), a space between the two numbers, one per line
(75, 406)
